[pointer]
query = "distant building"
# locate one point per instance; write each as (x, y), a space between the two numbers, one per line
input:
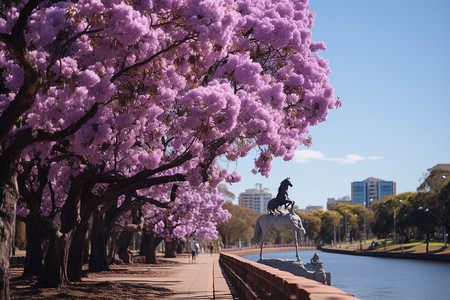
(342, 200)
(440, 166)
(359, 192)
(255, 199)
(301, 210)
(312, 208)
(371, 189)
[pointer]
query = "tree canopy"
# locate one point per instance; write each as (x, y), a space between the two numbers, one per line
(105, 99)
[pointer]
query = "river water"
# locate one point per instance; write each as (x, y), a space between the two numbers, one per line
(379, 278)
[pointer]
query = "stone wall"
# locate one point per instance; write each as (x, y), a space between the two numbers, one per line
(253, 280)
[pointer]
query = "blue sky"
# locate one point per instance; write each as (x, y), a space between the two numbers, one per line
(390, 63)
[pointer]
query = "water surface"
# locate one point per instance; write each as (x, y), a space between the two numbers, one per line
(380, 278)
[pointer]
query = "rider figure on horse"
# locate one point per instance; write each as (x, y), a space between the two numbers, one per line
(282, 195)
(282, 198)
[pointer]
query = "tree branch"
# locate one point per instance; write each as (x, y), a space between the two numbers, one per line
(173, 196)
(32, 79)
(187, 155)
(29, 136)
(116, 190)
(212, 147)
(146, 61)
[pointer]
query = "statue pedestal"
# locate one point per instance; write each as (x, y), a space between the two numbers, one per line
(312, 270)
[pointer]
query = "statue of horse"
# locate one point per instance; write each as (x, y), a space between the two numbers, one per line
(282, 198)
(279, 223)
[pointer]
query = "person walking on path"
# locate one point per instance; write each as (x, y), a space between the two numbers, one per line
(211, 248)
(193, 250)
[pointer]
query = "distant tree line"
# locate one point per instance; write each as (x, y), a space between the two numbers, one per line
(419, 215)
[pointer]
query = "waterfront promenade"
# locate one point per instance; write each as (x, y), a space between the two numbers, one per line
(200, 280)
(171, 278)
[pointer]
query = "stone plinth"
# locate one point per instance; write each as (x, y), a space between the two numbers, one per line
(312, 270)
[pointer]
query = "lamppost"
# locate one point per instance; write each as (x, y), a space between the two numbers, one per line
(395, 223)
(346, 229)
(440, 220)
(339, 231)
(334, 227)
(364, 213)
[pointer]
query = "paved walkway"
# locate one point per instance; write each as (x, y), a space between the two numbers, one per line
(200, 280)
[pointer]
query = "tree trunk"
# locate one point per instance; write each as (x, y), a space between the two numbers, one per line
(35, 248)
(77, 252)
(148, 246)
(171, 248)
(97, 259)
(122, 246)
(9, 195)
(127, 235)
(79, 249)
(54, 271)
(180, 247)
(227, 241)
(86, 250)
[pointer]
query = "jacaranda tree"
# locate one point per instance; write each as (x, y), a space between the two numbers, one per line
(120, 97)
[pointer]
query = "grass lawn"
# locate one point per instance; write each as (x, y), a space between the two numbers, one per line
(412, 247)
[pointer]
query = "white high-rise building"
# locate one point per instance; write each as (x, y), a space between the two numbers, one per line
(255, 199)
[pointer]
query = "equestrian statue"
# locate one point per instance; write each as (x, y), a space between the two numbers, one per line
(281, 199)
(279, 223)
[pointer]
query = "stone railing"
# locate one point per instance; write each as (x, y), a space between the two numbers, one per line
(253, 280)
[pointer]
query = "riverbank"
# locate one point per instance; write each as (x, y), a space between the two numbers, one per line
(406, 251)
(436, 252)
(267, 249)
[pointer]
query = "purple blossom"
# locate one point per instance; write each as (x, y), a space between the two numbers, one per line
(171, 77)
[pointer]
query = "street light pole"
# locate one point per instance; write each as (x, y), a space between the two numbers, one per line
(364, 212)
(443, 222)
(440, 220)
(334, 227)
(339, 230)
(395, 227)
(395, 223)
(346, 230)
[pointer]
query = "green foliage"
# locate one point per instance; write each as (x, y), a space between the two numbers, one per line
(434, 181)
(412, 220)
(437, 184)
(279, 237)
(326, 225)
(240, 225)
(312, 225)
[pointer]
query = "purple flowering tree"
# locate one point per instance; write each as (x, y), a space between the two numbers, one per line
(195, 211)
(119, 98)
